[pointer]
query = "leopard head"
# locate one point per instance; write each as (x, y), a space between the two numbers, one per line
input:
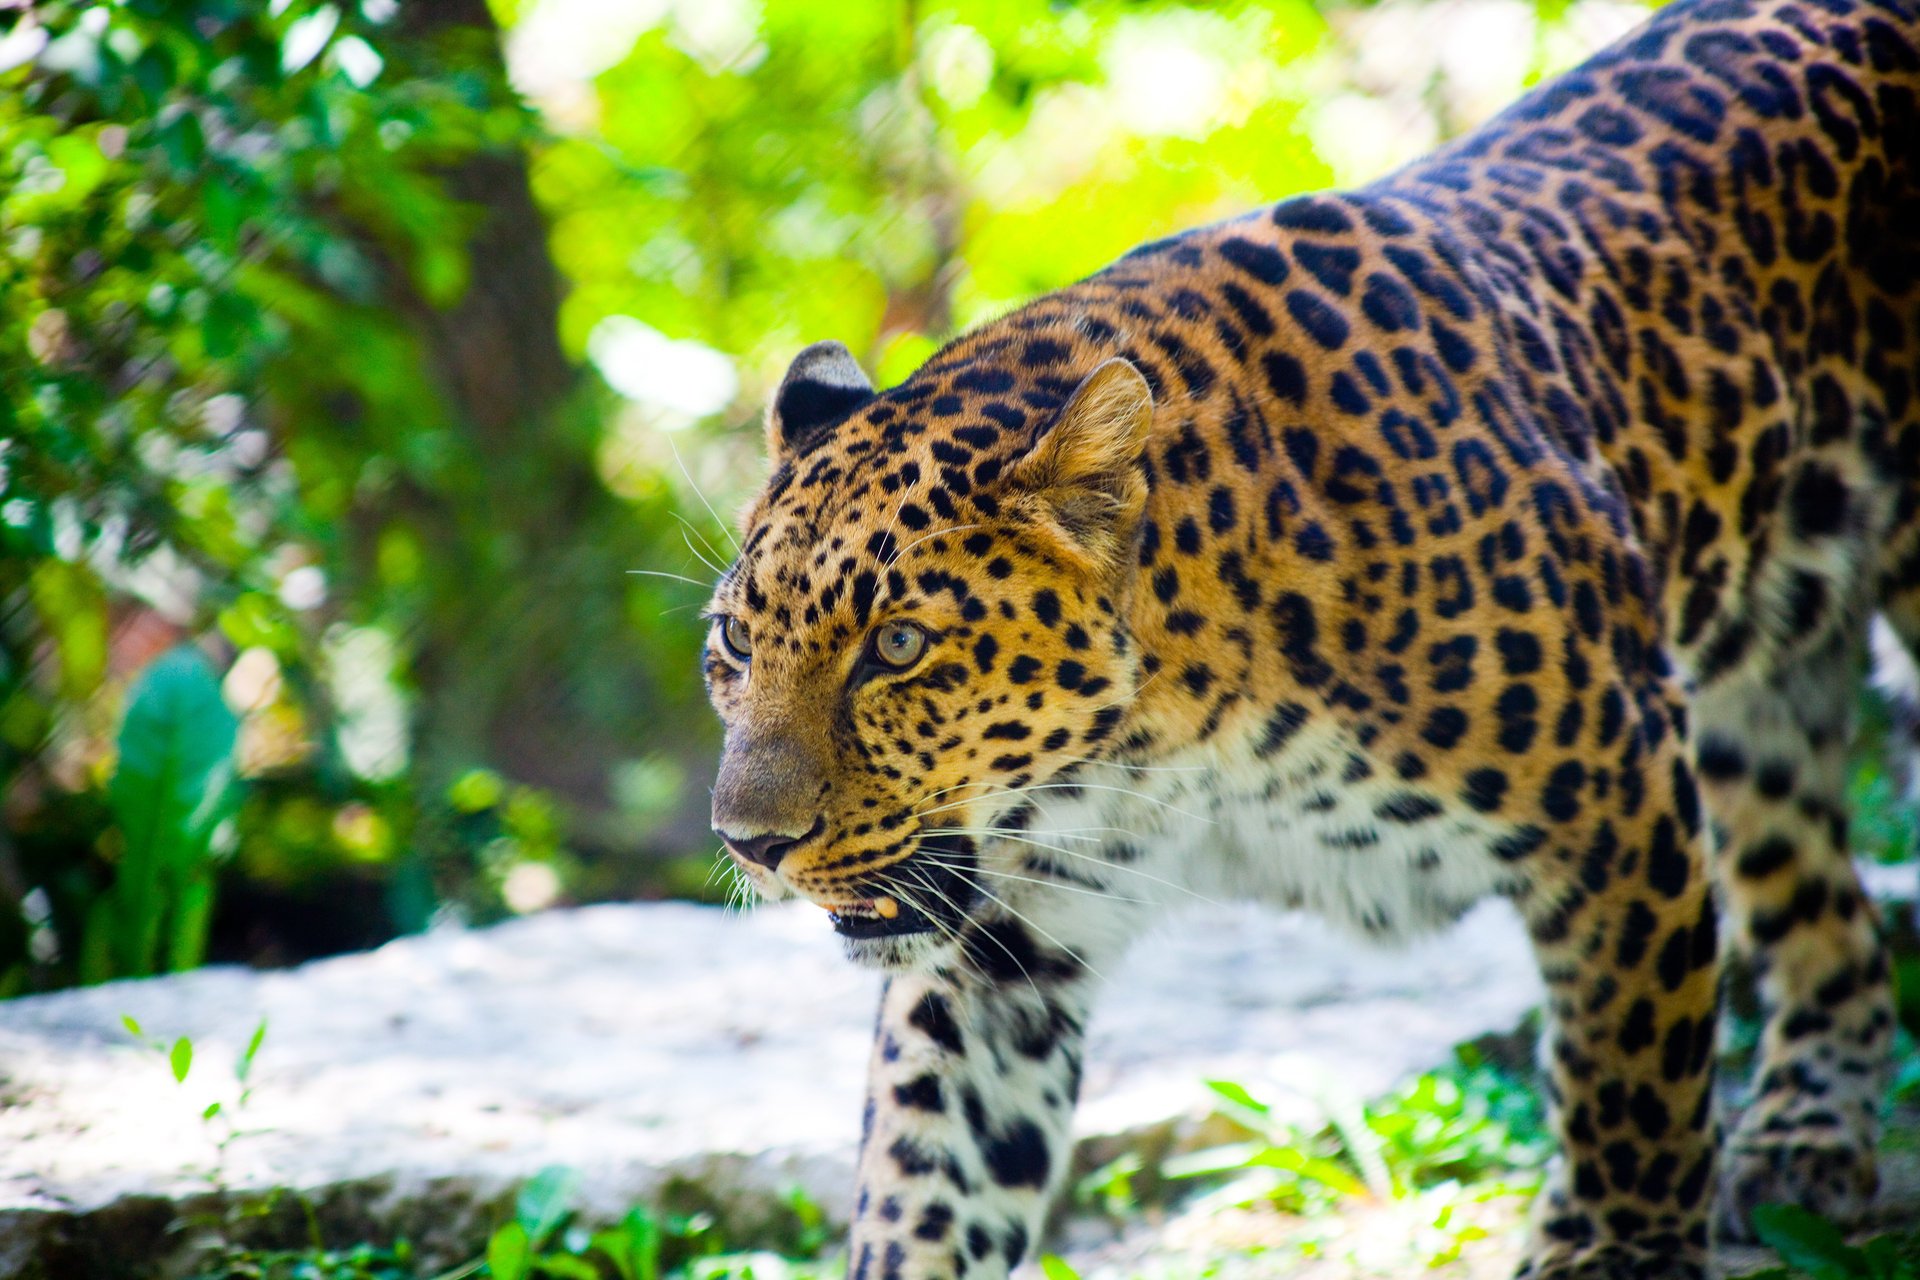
(927, 619)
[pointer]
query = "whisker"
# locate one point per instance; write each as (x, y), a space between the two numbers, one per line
(721, 524)
(1086, 835)
(892, 522)
(961, 943)
(740, 895)
(1104, 762)
(1015, 912)
(895, 558)
(718, 571)
(1175, 885)
(1129, 697)
(1124, 791)
(1079, 786)
(992, 833)
(1095, 761)
(1049, 884)
(931, 917)
(953, 936)
(694, 529)
(674, 577)
(955, 787)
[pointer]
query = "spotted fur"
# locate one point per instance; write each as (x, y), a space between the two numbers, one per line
(1510, 526)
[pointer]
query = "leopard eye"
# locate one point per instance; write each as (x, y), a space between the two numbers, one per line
(738, 640)
(899, 644)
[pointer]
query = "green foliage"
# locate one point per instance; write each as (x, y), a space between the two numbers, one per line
(1469, 1123)
(510, 1253)
(360, 1262)
(1905, 1089)
(1466, 1124)
(229, 243)
(183, 253)
(172, 238)
(1810, 1245)
(1054, 1267)
(1109, 1189)
(171, 789)
(641, 1246)
(220, 1119)
(1884, 826)
(542, 1242)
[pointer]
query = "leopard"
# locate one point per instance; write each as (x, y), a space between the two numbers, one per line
(1509, 527)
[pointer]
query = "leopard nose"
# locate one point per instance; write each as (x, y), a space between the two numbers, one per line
(769, 848)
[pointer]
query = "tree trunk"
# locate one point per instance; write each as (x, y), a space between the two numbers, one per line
(523, 631)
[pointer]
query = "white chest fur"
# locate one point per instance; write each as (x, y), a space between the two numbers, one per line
(1317, 826)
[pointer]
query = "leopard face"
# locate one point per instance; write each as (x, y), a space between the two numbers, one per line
(925, 624)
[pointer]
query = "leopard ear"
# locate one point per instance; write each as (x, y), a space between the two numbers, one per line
(823, 385)
(1085, 471)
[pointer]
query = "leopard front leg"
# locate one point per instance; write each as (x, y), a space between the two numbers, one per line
(1619, 905)
(968, 1116)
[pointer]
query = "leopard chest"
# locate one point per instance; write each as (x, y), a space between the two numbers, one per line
(1318, 826)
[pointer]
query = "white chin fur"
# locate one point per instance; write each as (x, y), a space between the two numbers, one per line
(902, 954)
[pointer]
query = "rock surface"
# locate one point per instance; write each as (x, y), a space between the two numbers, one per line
(657, 1049)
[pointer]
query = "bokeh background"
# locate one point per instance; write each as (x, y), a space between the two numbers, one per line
(379, 379)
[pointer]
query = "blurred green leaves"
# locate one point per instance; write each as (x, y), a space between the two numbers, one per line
(1810, 1245)
(170, 791)
(210, 388)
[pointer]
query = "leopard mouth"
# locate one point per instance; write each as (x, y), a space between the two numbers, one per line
(942, 891)
(878, 917)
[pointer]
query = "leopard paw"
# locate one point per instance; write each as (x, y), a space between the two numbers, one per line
(1819, 1170)
(1614, 1261)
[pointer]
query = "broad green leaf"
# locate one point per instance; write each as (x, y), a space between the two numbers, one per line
(1055, 1267)
(1241, 1107)
(176, 753)
(1211, 1160)
(1808, 1242)
(509, 1253)
(617, 1248)
(1884, 1259)
(191, 914)
(133, 1027)
(180, 1058)
(1238, 1095)
(244, 1066)
(643, 1234)
(545, 1200)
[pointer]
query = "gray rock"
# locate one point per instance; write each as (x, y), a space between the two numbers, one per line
(663, 1050)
